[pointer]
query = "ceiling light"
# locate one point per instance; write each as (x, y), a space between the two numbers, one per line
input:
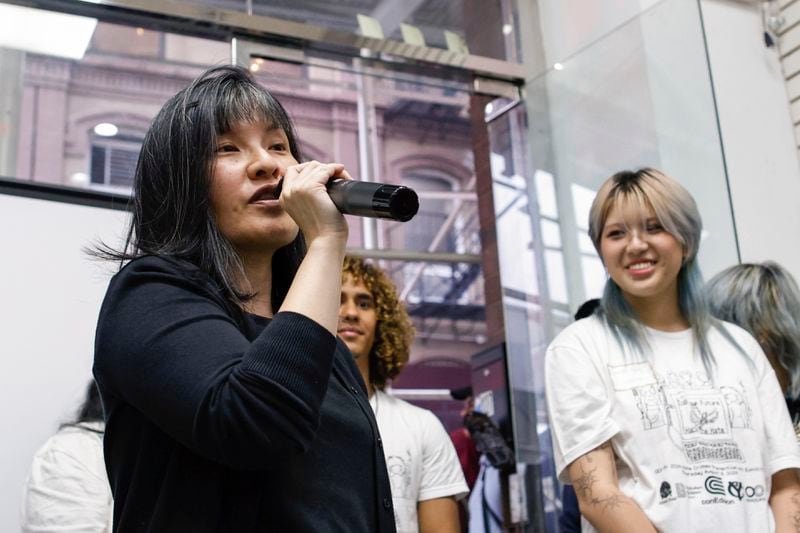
(558, 66)
(507, 29)
(106, 129)
(45, 32)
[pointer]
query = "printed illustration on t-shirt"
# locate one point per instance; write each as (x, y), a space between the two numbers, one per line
(698, 416)
(399, 468)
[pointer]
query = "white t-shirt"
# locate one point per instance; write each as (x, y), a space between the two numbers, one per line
(420, 457)
(67, 489)
(696, 455)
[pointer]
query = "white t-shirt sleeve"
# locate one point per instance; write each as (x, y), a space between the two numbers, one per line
(782, 450)
(577, 403)
(441, 471)
(67, 489)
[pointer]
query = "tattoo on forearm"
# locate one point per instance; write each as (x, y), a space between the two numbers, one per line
(584, 485)
(796, 511)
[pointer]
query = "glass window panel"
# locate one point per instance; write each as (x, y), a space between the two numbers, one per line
(546, 194)
(393, 128)
(638, 95)
(125, 41)
(98, 165)
(513, 239)
(122, 165)
(123, 78)
(556, 278)
(551, 234)
(432, 216)
(594, 276)
(490, 25)
(585, 244)
(582, 198)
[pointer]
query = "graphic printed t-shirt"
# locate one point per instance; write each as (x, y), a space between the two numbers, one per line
(420, 457)
(696, 454)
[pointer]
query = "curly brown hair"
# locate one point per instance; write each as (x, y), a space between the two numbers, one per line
(393, 330)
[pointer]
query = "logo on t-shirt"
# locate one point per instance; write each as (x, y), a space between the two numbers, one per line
(666, 490)
(715, 485)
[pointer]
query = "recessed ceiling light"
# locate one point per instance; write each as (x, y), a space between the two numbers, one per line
(558, 66)
(507, 29)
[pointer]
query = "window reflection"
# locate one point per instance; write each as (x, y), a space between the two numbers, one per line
(81, 121)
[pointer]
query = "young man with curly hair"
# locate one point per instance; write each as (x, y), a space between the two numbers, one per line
(424, 471)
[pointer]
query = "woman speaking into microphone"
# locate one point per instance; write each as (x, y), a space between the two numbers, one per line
(230, 403)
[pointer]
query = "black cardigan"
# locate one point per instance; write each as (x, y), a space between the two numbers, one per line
(219, 423)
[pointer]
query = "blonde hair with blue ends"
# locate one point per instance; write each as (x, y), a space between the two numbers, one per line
(764, 299)
(677, 213)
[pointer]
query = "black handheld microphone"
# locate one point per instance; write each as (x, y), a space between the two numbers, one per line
(370, 199)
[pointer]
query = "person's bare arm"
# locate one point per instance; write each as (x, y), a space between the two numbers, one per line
(784, 499)
(439, 515)
(594, 477)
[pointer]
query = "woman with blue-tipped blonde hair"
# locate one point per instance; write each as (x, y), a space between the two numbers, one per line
(764, 299)
(663, 417)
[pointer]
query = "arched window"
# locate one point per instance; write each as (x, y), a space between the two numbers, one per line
(112, 160)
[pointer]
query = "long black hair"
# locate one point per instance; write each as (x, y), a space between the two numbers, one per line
(172, 214)
(91, 410)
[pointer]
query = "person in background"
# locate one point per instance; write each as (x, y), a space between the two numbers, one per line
(764, 299)
(230, 404)
(465, 447)
(425, 474)
(486, 500)
(67, 488)
(569, 520)
(468, 456)
(664, 418)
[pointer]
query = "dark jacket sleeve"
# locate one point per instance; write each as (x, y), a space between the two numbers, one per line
(166, 346)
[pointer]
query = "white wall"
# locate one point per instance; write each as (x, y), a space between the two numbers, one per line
(50, 294)
(757, 134)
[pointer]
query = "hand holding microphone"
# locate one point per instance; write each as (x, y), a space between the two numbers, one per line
(370, 199)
